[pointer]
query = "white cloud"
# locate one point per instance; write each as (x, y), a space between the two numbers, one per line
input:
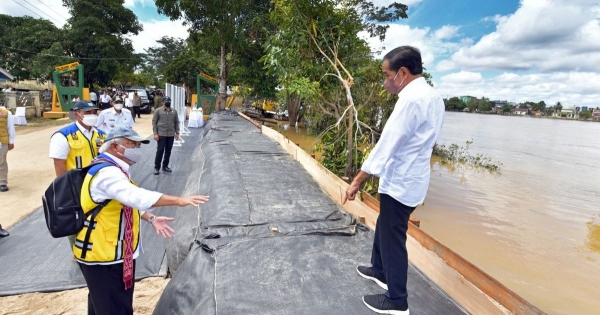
(463, 77)
(446, 32)
(542, 35)
(51, 10)
(143, 3)
(154, 30)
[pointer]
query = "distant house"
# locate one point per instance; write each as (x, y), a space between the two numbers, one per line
(520, 111)
(536, 113)
(567, 112)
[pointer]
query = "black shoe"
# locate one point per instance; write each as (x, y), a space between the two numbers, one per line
(167, 169)
(156, 171)
(367, 272)
(3, 188)
(3, 232)
(378, 303)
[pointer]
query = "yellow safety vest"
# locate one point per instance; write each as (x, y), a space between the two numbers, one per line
(4, 126)
(83, 151)
(106, 243)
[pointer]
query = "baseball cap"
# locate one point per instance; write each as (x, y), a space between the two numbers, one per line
(118, 99)
(84, 106)
(122, 132)
(167, 100)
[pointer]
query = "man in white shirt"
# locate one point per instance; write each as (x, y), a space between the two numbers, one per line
(115, 116)
(401, 160)
(109, 265)
(129, 105)
(105, 100)
(7, 143)
(94, 98)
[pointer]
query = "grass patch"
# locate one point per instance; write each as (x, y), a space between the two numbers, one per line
(457, 154)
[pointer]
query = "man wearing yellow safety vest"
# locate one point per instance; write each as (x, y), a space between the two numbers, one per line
(76, 145)
(7, 143)
(107, 259)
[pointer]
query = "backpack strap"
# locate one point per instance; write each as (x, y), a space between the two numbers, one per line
(88, 233)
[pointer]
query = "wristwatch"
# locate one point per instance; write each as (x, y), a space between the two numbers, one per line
(151, 219)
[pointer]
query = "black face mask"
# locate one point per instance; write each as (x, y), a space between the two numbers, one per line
(167, 104)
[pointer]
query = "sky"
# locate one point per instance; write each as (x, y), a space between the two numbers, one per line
(527, 50)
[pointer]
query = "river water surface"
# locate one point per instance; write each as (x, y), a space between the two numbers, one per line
(536, 226)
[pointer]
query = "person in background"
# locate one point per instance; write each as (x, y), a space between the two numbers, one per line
(108, 266)
(94, 98)
(158, 100)
(7, 143)
(129, 105)
(115, 116)
(165, 125)
(137, 105)
(401, 159)
(105, 100)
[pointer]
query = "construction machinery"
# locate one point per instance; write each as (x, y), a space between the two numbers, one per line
(66, 89)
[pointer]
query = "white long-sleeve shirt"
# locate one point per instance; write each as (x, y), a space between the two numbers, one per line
(110, 119)
(401, 158)
(111, 183)
(10, 125)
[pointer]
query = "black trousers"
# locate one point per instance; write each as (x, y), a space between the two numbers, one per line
(164, 146)
(104, 106)
(137, 110)
(107, 295)
(389, 257)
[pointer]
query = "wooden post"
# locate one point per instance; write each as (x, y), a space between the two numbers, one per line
(415, 222)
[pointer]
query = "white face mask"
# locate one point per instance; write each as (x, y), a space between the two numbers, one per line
(90, 120)
(118, 106)
(132, 154)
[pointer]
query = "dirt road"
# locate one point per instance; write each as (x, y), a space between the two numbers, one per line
(30, 171)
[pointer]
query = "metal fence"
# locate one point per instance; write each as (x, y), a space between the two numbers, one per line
(177, 95)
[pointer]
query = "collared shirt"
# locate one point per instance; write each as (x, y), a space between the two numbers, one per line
(165, 123)
(128, 102)
(111, 183)
(93, 97)
(59, 146)
(401, 157)
(105, 98)
(110, 119)
(10, 125)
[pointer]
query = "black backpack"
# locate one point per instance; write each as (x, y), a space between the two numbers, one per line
(62, 208)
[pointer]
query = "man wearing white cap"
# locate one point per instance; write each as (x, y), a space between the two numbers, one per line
(115, 117)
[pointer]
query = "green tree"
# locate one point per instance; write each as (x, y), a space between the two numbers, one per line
(23, 39)
(226, 27)
(473, 104)
(541, 106)
(97, 36)
(43, 64)
(506, 108)
(585, 115)
(455, 103)
(319, 42)
(558, 106)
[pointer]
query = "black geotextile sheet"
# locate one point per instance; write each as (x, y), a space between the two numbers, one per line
(251, 181)
(32, 261)
(270, 241)
(290, 272)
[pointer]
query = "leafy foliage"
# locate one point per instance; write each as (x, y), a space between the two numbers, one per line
(97, 29)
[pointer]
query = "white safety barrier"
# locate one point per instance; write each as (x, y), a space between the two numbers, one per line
(177, 95)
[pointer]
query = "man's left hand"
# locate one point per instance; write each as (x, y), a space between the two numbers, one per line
(11, 146)
(176, 136)
(160, 226)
